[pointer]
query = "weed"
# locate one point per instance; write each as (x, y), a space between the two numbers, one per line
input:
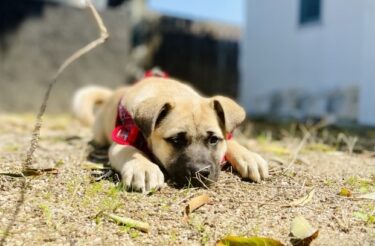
(47, 196)
(134, 233)
(198, 224)
(362, 185)
(47, 213)
(10, 148)
(71, 187)
(329, 182)
(59, 163)
(255, 230)
(165, 207)
(319, 147)
(366, 213)
(173, 237)
(366, 217)
(4, 233)
(264, 137)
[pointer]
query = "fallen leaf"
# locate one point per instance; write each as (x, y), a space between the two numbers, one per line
(39, 171)
(248, 241)
(14, 175)
(302, 232)
(194, 204)
(90, 166)
(303, 200)
(139, 225)
(370, 196)
(345, 192)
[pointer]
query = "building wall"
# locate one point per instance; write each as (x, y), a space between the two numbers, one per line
(31, 51)
(297, 70)
(367, 91)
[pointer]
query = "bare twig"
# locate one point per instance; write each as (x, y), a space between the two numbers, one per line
(34, 143)
(136, 224)
(343, 226)
(349, 141)
(298, 150)
(36, 132)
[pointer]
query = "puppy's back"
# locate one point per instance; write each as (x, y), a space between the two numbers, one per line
(86, 99)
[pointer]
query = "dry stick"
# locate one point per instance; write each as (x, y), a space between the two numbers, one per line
(299, 148)
(36, 132)
(136, 224)
(306, 136)
(34, 143)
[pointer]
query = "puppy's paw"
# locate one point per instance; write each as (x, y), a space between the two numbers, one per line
(142, 176)
(250, 165)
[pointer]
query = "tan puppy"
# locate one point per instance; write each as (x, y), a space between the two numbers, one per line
(185, 132)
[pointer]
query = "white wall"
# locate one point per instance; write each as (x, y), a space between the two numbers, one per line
(367, 91)
(317, 59)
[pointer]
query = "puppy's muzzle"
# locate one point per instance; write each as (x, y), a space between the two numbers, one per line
(197, 171)
(194, 173)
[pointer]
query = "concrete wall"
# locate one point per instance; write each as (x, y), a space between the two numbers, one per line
(32, 52)
(367, 91)
(313, 70)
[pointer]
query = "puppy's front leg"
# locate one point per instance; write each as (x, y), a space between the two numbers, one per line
(248, 164)
(137, 172)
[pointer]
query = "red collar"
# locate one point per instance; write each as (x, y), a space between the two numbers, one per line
(126, 131)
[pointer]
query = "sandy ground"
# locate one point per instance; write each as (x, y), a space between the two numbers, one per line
(63, 208)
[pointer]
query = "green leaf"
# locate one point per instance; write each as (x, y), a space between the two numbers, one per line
(345, 192)
(248, 241)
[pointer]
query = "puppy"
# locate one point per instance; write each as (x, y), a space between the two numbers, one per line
(161, 124)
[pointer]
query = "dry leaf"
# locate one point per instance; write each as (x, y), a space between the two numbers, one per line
(248, 241)
(194, 204)
(302, 232)
(39, 171)
(90, 166)
(139, 225)
(345, 192)
(303, 200)
(370, 196)
(10, 174)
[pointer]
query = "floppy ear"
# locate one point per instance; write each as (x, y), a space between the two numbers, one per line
(149, 113)
(229, 112)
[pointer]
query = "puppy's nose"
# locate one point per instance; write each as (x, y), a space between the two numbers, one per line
(199, 171)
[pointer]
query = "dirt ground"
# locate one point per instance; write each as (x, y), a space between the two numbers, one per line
(63, 208)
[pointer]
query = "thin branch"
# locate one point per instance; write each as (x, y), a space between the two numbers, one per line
(38, 124)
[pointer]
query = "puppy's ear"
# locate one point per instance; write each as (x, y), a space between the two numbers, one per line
(148, 114)
(229, 112)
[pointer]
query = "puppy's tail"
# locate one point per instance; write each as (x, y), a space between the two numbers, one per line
(86, 100)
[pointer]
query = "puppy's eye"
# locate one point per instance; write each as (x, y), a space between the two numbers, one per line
(177, 141)
(213, 140)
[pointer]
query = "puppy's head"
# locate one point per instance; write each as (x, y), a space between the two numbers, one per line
(187, 137)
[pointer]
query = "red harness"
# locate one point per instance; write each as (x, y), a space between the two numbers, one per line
(126, 131)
